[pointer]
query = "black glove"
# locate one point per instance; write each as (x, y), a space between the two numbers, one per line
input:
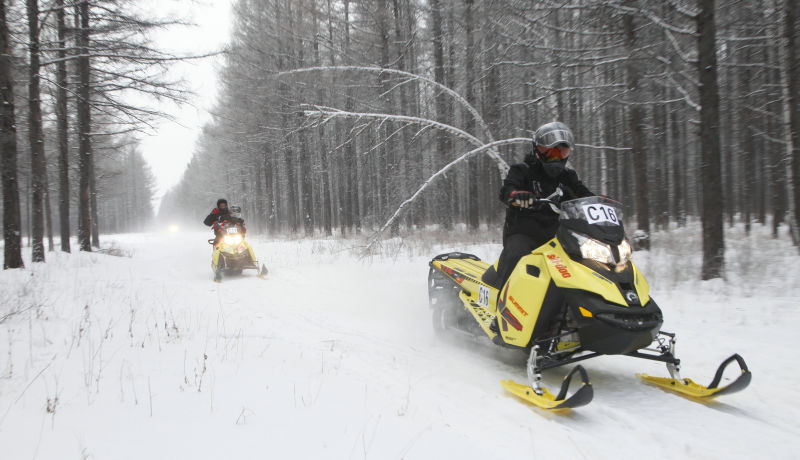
(521, 199)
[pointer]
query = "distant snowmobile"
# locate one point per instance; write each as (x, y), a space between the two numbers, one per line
(576, 297)
(232, 254)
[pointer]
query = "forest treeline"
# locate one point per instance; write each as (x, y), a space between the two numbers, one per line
(333, 114)
(680, 108)
(71, 162)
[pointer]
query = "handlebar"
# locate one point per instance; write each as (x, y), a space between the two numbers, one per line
(550, 200)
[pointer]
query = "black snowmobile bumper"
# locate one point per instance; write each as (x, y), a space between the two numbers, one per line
(612, 329)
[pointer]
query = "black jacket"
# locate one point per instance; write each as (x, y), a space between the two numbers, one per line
(539, 222)
(215, 217)
(220, 217)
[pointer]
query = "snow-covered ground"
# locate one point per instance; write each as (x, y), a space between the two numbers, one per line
(333, 356)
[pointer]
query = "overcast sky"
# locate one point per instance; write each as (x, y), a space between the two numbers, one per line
(172, 146)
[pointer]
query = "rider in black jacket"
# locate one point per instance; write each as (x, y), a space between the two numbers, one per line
(222, 214)
(529, 224)
(217, 213)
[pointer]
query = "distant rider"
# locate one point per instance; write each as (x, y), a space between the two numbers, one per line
(529, 224)
(220, 215)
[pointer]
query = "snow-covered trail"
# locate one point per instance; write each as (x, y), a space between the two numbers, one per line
(332, 357)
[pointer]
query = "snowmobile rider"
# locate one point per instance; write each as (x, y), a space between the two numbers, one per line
(529, 224)
(220, 215)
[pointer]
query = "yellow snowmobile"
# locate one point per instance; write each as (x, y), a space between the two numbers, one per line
(232, 254)
(576, 297)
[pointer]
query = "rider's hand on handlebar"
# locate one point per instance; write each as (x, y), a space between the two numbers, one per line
(522, 199)
(215, 211)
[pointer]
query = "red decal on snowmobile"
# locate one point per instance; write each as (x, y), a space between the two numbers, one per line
(457, 277)
(519, 307)
(511, 319)
(502, 302)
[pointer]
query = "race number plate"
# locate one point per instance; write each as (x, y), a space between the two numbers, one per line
(483, 296)
(598, 213)
(233, 230)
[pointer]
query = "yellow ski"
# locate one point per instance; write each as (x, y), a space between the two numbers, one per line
(687, 387)
(546, 400)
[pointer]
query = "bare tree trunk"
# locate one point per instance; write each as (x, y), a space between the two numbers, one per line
(35, 135)
(777, 154)
(269, 197)
(745, 137)
(636, 123)
(402, 161)
(325, 220)
(48, 213)
(62, 120)
(305, 170)
(713, 236)
(473, 201)
(84, 129)
(93, 202)
(442, 144)
(12, 237)
(730, 203)
(385, 159)
(791, 45)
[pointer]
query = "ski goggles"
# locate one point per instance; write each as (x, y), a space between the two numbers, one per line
(555, 137)
(559, 152)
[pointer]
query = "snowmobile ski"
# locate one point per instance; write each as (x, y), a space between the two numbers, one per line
(546, 400)
(262, 272)
(687, 387)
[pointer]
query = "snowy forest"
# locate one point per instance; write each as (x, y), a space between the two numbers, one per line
(358, 314)
(341, 117)
(332, 113)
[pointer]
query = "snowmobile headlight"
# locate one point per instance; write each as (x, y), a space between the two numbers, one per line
(625, 252)
(594, 250)
(233, 239)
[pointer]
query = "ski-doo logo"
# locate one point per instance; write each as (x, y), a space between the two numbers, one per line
(559, 266)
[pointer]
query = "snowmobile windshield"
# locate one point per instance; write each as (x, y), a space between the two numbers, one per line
(597, 218)
(593, 210)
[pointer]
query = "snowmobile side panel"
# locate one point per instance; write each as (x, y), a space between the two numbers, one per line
(465, 271)
(521, 299)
